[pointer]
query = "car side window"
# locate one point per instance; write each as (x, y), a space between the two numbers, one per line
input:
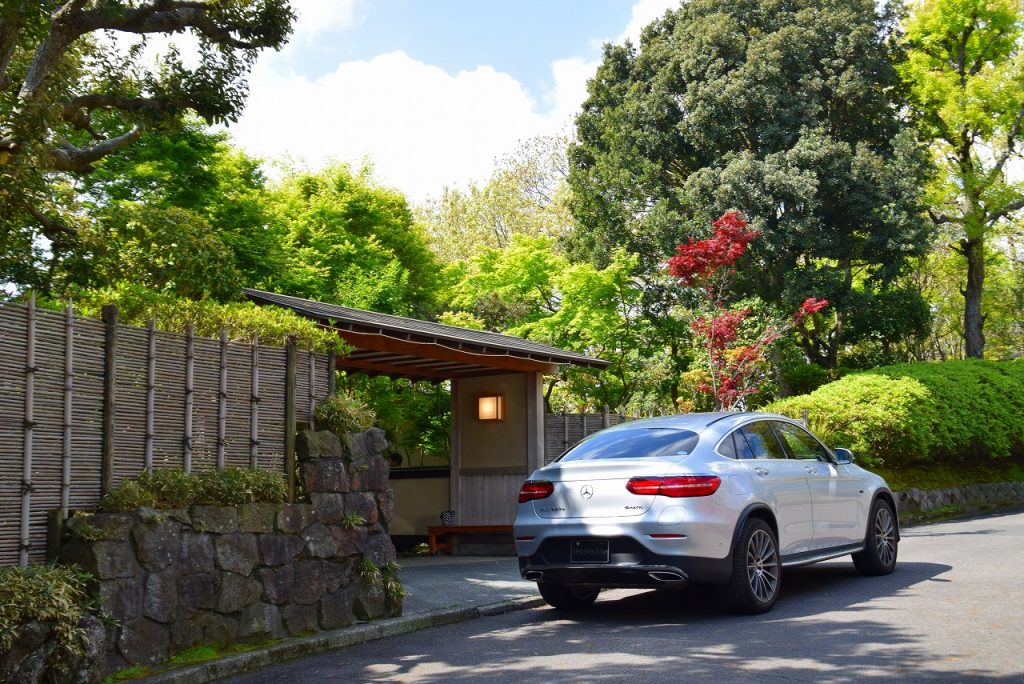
(762, 440)
(799, 442)
(735, 446)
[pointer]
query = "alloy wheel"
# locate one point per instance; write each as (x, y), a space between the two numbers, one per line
(762, 566)
(885, 536)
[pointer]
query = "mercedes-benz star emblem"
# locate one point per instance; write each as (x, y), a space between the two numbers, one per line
(587, 491)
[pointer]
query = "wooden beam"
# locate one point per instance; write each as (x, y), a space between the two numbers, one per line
(438, 352)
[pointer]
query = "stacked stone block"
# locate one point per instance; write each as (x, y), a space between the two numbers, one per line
(215, 575)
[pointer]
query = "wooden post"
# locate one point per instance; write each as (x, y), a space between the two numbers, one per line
(332, 373)
(289, 415)
(29, 424)
(109, 399)
(565, 431)
(54, 533)
(69, 346)
(190, 366)
(804, 418)
(583, 420)
(254, 405)
(605, 420)
(222, 401)
(150, 393)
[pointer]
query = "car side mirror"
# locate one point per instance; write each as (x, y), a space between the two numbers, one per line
(843, 456)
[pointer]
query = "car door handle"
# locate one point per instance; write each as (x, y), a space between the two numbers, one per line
(761, 471)
(813, 470)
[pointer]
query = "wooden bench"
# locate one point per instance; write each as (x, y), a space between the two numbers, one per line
(449, 533)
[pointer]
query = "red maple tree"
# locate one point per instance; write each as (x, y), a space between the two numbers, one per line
(709, 266)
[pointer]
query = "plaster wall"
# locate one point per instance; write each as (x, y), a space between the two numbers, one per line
(418, 504)
(492, 444)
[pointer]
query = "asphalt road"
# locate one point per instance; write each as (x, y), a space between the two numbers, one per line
(953, 611)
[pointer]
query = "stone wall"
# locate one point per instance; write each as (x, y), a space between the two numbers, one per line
(978, 497)
(215, 575)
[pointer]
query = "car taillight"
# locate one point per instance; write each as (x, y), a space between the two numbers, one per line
(535, 489)
(673, 487)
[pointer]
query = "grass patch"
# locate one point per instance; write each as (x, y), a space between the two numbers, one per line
(193, 656)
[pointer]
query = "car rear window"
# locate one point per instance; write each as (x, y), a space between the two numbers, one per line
(636, 443)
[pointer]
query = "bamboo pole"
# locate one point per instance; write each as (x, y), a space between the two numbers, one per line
(254, 407)
(26, 463)
(150, 393)
(109, 397)
(222, 407)
(312, 389)
(289, 416)
(189, 394)
(69, 348)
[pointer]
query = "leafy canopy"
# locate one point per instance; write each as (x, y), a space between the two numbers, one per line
(787, 111)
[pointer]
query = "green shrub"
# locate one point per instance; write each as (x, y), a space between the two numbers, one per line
(805, 377)
(128, 496)
(170, 489)
(343, 413)
(899, 415)
(47, 593)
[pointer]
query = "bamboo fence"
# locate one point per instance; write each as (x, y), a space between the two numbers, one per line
(562, 430)
(85, 404)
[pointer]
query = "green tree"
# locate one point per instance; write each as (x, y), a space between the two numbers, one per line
(526, 195)
(965, 69)
(531, 290)
(197, 170)
(787, 111)
(163, 249)
(75, 89)
(353, 242)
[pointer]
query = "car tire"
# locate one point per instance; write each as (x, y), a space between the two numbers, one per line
(567, 597)
(881, 542)
(756, 570)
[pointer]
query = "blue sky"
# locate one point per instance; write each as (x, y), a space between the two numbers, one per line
(519, 38)
(430, 92)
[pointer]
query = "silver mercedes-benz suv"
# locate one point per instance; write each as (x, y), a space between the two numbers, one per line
(726, 499)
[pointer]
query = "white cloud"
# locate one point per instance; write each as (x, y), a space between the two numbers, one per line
(314, 18)
(421, 127)
(644, 12)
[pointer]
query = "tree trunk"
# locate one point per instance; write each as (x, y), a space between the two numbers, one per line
(974, 320)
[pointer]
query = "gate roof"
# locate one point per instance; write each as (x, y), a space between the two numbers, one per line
(420, 350)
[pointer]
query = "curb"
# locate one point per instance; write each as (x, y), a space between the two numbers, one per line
(290, 649)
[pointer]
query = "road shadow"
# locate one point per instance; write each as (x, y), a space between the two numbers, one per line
(818, 632)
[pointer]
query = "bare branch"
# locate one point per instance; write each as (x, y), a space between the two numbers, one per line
(67, 157)
(57, 232)
(156, 19)
(938, 218)
(1006, 210)
(81, 106)
(1011, 143)
(70, 22)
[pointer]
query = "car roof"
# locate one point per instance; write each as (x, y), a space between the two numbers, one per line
(698, 422)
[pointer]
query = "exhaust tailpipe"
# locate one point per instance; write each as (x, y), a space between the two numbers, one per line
(666, 576)
(533, 575)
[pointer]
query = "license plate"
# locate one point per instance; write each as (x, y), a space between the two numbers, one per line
(588, 551)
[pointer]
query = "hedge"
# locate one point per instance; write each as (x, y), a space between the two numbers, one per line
(920, 412)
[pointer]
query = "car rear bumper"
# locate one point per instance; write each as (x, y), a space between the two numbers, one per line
(629, 565)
